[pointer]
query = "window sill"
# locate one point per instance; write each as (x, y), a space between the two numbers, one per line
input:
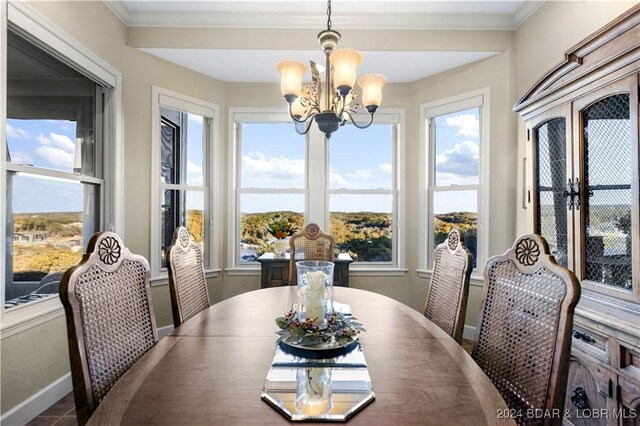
(377, 272)
(476, 279)
(24, 317)
(247, 270)
(164, 278)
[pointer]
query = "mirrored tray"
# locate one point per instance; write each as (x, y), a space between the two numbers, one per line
(339, 393)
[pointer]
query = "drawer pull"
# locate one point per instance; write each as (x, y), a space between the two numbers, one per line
(583, 336)
(580, 399)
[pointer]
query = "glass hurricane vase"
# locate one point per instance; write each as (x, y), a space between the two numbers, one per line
(315, 291)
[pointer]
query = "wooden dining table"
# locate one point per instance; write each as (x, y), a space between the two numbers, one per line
(212, 369)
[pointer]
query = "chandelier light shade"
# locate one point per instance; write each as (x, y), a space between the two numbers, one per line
(344, 63)
(340, 100)
(371, 85)
(291, 73)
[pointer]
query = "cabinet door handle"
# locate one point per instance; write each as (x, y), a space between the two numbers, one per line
(579, 399)
(568, 193)
(583, 336)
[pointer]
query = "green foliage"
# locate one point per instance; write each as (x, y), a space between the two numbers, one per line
(341, 329)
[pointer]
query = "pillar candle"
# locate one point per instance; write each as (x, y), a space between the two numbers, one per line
(315, 296)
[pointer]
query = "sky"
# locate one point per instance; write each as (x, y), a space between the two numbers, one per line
(273, 156)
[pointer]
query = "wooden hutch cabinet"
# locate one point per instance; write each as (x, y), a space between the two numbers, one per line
(582, 196)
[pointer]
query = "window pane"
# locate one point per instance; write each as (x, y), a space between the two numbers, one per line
(195, 137)
(362, 226)
(456, 209)
(457, 151)
(50, 111)
(257, 212)
(272, 156)
(350, 168)
(181, 147)
(182, 208)
(46, 219)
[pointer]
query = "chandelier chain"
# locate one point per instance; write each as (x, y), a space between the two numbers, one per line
(328, 14)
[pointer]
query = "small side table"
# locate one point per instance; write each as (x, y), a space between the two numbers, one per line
(275, 270)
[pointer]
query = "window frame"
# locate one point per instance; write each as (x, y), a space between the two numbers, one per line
(26, 21)
(316, 182)
(160, 98)
(237, 116)
(395, 118)
(428, 112)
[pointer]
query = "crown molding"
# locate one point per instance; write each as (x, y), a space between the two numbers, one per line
(523, 13)
(306, 19)
(120, 10)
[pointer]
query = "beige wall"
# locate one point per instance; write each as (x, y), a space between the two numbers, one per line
(496, 74)
(34, 358)
(541, 42)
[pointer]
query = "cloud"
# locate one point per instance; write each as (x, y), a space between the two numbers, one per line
(336, 180)
(361, 174)
(385, 167)
(17, 133)
(258, 170)
(467, 124)
(56, 156)
(58, 141)
(461, 160)
(194, 173)
(20, 158)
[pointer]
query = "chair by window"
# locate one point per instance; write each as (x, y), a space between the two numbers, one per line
(110, 320)
(523, 338)
(310, 244)
(187, 283)
(446, 303)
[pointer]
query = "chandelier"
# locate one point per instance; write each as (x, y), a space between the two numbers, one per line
(340, 100)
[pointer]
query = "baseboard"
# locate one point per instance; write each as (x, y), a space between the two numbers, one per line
(163, 331)
(31, 407)
(469, 332)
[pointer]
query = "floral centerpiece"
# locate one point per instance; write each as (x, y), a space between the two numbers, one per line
(281, 229)
(341, 329)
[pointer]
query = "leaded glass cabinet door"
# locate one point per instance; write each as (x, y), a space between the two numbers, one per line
(607, 210)
(551, 153)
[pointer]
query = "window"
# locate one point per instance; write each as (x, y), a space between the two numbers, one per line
(455, 133)
(362, 193)
(281, 175)
(182, 176)
(271, 181)
(59, 166)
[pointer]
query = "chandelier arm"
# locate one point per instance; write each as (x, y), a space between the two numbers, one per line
(313, 111)
(346, 111)
(306, 128)
(343, 105)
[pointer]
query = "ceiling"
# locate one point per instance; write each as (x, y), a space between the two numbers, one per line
(360, 14)
(258, 66)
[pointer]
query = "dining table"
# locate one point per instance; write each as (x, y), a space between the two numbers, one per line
(212, 369)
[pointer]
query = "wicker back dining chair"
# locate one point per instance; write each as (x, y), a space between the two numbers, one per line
(523, 337)
(446, 303)
(187, 283)
(110, 322)
(309, 244)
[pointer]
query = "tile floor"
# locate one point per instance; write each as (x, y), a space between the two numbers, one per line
(63, 412)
